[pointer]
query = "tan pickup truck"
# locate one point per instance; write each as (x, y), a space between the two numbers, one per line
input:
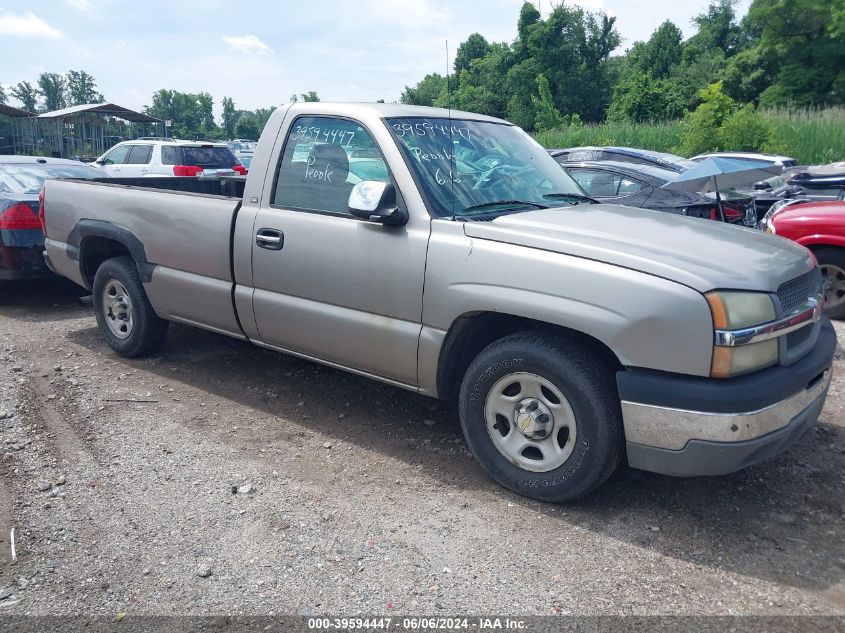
(448, 253)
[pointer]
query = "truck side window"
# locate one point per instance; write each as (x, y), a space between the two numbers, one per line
(323, 159)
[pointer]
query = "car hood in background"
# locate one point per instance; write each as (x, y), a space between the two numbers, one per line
(701, 254)
(830, 213)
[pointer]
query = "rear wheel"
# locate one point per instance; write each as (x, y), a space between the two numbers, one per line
(124, 314)
(832, 264)
(541, 414)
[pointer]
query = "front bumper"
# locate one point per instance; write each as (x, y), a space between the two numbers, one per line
(686, 426)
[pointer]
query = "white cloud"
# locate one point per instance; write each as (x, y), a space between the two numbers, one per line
(419, 14)
(248, 44)
(26, 25)
(82, 5)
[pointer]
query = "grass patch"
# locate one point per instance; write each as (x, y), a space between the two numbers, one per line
(811, 136)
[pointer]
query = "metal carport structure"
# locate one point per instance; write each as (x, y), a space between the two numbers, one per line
(17, 129)
(86, 131)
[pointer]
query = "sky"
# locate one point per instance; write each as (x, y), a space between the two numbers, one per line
(259, 52)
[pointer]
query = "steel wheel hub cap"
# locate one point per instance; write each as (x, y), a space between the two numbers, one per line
(117, 309)
(530, 422)
(834, 285)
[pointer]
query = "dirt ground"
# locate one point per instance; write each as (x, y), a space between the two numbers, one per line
(128, 486)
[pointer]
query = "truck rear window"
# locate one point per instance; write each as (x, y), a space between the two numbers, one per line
(205, 157)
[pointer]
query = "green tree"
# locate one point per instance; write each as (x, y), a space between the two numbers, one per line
(638, 97)
(748, 74)
(718, 28)
(805, 41)
(746, 131)
(262, 115)
(483, 86)
(528, 17)
(662, 53)
(2, 94)
(522, 91)
(248, 126)
(308, 97)
(571, 47)
(205, 109)
(230, 117)
(548, 117)
(27, 94)
(426, 92)
(81, 88)
(51, 86)
(702, 126)
(191, 113)
(475, 47)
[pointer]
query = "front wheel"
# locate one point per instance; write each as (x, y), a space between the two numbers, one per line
(541, 414)
(124, 314)
(832, 264)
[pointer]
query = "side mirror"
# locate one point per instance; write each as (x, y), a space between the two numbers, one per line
(375, 201)
(101, 162)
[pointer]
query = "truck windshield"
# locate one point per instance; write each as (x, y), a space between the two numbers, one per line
(467, 168)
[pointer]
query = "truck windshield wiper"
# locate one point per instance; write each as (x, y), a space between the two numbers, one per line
(572, 196)
(504, 203)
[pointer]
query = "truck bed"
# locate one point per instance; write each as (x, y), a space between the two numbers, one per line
(228, 186)
(179, 230)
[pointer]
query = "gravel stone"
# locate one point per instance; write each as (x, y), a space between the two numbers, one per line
(397, 515)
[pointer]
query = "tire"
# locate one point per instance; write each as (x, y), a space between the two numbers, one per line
(123, 311)
(832, 263)
(583, 440)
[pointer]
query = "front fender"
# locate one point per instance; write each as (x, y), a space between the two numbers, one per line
(646, 321)
(822, 239)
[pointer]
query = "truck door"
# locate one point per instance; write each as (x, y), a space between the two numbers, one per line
(328, 285)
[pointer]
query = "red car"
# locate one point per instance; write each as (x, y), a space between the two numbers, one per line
(820, 226)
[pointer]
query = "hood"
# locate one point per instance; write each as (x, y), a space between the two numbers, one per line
(701, 254)
(830, 213)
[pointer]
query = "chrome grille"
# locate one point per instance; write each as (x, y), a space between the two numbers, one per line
(794, 293)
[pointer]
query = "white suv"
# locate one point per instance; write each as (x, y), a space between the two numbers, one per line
(162, 157)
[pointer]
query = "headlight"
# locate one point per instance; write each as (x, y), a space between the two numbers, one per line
(736, 311)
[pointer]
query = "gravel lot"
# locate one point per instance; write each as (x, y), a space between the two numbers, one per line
(219, 478)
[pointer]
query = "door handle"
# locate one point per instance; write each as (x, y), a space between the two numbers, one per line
(270, 239)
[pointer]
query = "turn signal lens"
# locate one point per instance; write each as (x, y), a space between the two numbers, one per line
(734, 361)
(736, 311)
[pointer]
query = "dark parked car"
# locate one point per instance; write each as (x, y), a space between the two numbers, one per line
(633, 155)
(21, 239)
(816, 183)
(640, 186)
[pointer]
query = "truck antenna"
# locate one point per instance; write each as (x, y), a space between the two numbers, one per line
(452, 166)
